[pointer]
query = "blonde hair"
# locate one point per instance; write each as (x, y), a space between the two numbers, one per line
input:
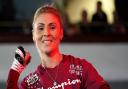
(47, 9)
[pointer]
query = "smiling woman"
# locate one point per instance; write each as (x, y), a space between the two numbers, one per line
(47, 33)
(56, 70)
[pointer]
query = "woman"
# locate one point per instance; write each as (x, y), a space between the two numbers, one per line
(56, 71)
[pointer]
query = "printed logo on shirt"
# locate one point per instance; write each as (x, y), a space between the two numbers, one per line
(76, 69)
(33, 81)
(67, 83)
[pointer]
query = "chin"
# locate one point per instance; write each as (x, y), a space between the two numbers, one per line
(47, 50)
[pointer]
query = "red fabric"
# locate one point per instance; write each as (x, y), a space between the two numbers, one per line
(12, 80)
(73, 73)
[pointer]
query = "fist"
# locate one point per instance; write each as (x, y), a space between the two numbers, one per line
(21, 59)
(22, 56)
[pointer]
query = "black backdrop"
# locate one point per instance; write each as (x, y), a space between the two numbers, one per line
(122, 9)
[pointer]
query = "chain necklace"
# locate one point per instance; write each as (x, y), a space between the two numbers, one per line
(49, 75)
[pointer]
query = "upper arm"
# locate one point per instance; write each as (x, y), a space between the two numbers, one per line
(93, 79)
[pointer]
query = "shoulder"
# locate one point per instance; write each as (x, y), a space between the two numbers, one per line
(78, 65)
(95, 14)
(76, 60)
(104, 13)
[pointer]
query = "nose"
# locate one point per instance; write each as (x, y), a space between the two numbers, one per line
(46, 32)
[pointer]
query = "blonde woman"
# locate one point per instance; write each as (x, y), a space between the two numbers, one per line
(57, 70)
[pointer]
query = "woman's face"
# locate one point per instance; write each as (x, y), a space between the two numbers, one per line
(47, 32)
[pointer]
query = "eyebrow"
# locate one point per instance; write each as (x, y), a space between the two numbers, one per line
(52, 23)
(40, 24)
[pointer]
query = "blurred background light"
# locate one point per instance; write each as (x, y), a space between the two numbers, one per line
(75, 7)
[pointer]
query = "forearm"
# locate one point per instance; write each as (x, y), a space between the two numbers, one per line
(21, 59)
(12, 81)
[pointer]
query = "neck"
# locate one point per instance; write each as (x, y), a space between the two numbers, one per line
(51, 60)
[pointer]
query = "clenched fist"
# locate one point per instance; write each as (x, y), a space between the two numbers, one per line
(21, 59)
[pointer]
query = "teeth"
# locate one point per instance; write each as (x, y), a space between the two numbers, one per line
(47, 42)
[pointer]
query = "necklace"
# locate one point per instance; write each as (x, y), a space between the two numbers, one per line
(53, 79)
(49, 75)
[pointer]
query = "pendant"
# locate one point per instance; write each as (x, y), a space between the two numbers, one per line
(54, 83)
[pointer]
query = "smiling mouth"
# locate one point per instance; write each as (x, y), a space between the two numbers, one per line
(47, 41)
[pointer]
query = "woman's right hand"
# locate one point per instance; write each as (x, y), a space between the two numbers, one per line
(21, 59)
